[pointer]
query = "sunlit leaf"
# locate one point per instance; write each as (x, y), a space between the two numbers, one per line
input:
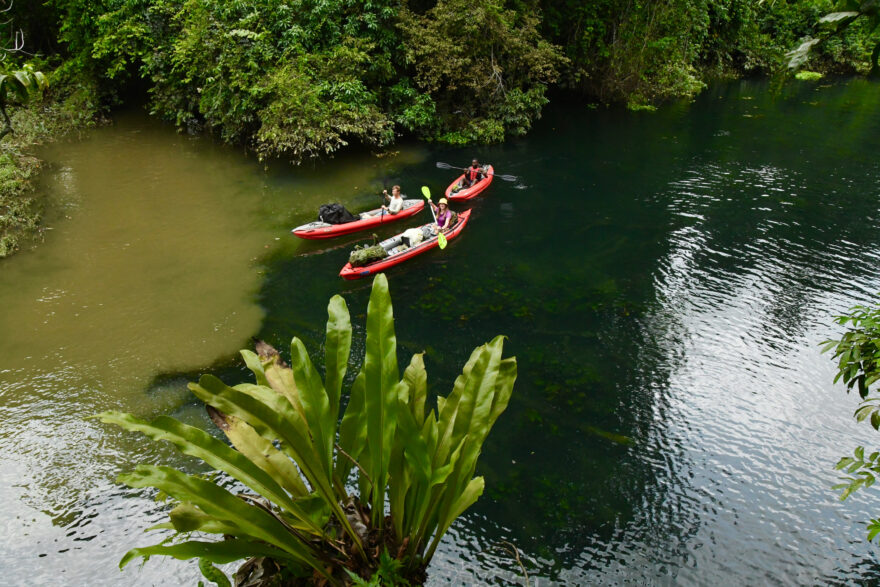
(838, 16)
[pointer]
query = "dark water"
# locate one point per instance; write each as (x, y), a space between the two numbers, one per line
(664, 280)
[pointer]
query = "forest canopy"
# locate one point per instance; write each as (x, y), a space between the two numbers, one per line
(303, 78)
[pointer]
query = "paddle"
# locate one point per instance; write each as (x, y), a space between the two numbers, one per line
(442, 165)
(441, 238)
(382, 197)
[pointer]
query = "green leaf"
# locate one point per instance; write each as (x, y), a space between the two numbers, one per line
(219, 553)
(381, 377)
(410, 471)
(261, 451)
(187, 517)
(353, 429)
(336, 351)
(272, 416)
(873, 529)
(196, 442)
(416, 379)
(213, 574)
(253, 362)
(42, 82)
(467, 498)
(11, 88)
(799, 56)
(316, 404)
(278, 375)
(838, 16)
(215, 501)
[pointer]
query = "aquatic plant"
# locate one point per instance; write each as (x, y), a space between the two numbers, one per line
(292, 451)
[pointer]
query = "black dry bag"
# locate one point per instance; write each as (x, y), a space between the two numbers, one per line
(335, 214)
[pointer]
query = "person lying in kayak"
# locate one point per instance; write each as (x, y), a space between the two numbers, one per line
(443, 213)
(395, 200)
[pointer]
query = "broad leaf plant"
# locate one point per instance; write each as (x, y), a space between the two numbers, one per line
(300, 461)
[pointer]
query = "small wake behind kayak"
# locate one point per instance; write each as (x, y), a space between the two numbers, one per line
(400, 252)
(474, 190)
(318, 229)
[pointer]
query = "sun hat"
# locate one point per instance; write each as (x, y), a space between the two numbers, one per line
(443, 201)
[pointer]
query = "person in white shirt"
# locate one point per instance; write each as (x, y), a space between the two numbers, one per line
(395, 203)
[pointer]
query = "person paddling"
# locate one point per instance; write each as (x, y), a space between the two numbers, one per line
(473, 174)
(395, 203)
(443, 213)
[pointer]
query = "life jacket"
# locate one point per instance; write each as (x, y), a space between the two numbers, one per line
(472, 174)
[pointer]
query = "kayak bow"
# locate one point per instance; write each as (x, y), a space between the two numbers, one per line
(474, 190)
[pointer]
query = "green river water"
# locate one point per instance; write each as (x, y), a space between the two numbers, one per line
(664, 280)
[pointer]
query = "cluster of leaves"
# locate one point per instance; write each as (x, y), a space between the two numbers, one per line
(290, 448)
(16, 88)
(640, 52)
(305, 78)
(850, 28)
(19, 213)
(485, 67)
(858, 366)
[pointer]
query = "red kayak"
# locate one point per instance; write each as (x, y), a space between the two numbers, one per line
(471, 192)
(398, 251)
(318, 229)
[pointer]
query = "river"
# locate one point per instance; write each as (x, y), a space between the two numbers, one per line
(664, 279)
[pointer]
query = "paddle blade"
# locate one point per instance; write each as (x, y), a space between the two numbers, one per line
(442, 165)
(426, 192)
(507, 177)
(441, 240)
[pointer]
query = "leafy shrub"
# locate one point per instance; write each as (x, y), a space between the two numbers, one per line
(485, 67)
(291, 450)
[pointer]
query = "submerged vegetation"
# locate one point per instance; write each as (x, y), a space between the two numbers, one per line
(334, 496)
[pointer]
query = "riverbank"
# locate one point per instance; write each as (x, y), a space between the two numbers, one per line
(49, 119)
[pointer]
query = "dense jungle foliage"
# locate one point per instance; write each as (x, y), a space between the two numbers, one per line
(303, 78)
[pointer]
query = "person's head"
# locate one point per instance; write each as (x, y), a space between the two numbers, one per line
(395, 191)
(475, 163)
(443, 204)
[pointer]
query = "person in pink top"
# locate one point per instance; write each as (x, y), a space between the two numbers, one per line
(443, 213)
